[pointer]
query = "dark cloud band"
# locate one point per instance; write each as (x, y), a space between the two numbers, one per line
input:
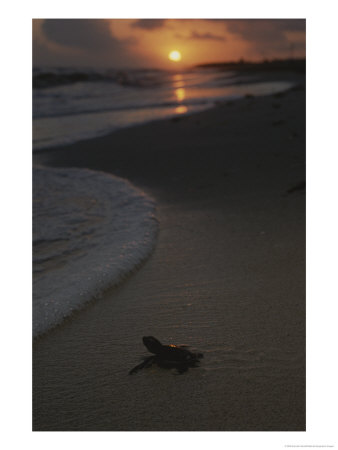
(149, 24)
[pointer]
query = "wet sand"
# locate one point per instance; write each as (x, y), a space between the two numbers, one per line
(227, 277)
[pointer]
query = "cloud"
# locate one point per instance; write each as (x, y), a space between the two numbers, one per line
(82, 42)
(269, 37)
(268, 31)
(149, 24)
(86, 34)
(201, 36)
(210, 36)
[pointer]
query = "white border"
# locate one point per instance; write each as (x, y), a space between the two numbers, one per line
(321, 221)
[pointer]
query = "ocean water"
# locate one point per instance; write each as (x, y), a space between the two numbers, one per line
(72, 105)
(90, 229)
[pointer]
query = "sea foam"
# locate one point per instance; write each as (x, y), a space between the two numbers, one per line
(90, 229)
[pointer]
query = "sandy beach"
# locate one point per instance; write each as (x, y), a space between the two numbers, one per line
(227, 277)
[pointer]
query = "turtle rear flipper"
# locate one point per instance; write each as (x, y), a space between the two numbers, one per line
(146, 363)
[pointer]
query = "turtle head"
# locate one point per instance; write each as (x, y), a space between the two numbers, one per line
(152, 344)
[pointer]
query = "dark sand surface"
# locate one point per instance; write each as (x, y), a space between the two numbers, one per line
(227, 277)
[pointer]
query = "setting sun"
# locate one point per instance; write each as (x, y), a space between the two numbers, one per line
(175, 55)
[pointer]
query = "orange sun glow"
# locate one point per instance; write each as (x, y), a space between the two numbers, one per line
(175, 55)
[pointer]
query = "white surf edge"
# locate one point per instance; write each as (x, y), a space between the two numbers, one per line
(125, 237)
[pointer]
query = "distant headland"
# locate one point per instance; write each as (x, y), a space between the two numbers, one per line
(292, 64)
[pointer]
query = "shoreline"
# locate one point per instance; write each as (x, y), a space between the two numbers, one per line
(81, 154)
(293, 79)
(227, 277)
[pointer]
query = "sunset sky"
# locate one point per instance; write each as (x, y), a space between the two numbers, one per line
(146, 43)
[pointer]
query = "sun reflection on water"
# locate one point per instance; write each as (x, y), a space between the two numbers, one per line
(180, 94)
(178, 81)
(181, 109)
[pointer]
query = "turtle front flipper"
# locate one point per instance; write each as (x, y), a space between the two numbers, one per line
(146, 363)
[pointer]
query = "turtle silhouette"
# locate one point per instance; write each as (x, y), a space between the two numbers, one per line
(167, 356)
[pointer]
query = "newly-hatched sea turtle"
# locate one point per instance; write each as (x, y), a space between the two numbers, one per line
(167, 356)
